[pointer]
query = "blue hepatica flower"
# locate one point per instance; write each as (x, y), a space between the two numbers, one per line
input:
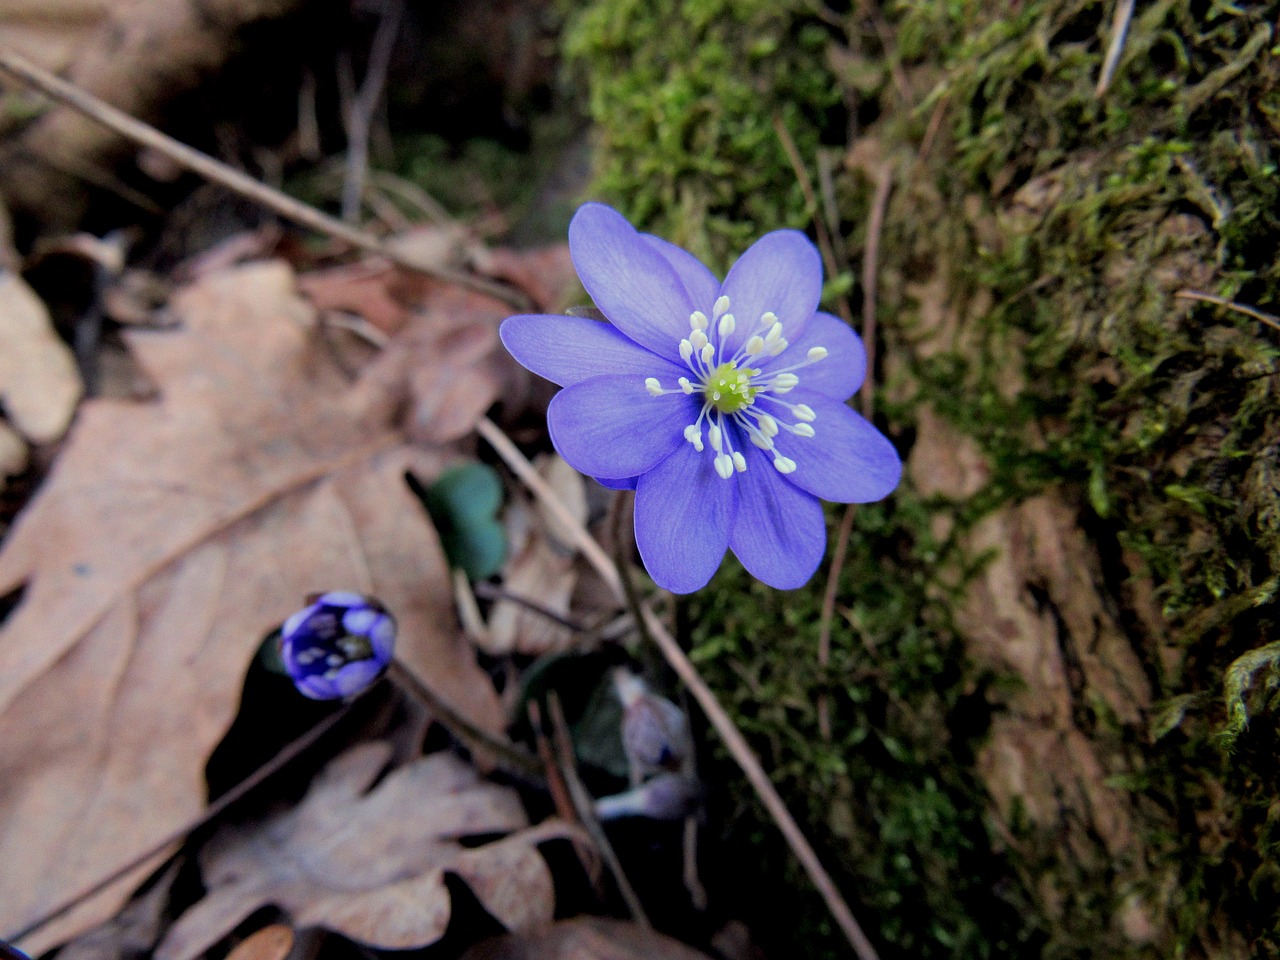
(337, 645)
(721, 404)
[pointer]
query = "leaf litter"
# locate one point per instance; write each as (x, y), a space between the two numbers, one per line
(167, 541)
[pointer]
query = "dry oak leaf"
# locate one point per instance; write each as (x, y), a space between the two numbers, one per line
(39, 384)
(167, 541)
(584, 938)
(370, 863)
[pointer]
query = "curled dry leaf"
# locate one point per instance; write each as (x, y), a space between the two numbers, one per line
(270, 943)
(370, 863)
(39, 384)
(168, 540)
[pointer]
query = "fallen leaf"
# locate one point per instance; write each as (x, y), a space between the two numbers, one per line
(269, 943)
(167, 541)
(584, 938)
(370, 863)
(39, 385)
(134, 931)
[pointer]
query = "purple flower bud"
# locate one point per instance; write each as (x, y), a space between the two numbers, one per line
(668, 796)
(655, 732)
(338, 645)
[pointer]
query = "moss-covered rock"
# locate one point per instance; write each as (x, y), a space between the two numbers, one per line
(1053, 673)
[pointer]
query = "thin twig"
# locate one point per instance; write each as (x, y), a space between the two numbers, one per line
(584, 805)
(288, 753)
(828, 614)
(560, 797)
(1119, 30)
(223, 175)
(811, 202)
(724, 726)
(490, 591)
(515, 759)
(1267, 318)
(362, 107)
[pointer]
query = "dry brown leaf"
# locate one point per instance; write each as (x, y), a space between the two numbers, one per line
(168, 540)
(39, 384)
(269, 943)
(134, 931)
(370, 863)
(584, 938)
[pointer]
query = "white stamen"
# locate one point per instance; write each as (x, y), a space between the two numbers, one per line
(785, 465)
(685, 385)
(721, 307)
(785, 382)
(778, 346)
(698, 338)
(768, 425)
(726, 325)
(802, 430)
(708, 353)
(694, 436)
(804, 412)
(768, 319)
(724, 465)
(714, 435)
(761, 441)
(817, 353)
(754, 346)
(686, 350)
(653, 386)
(774, 333)
(739, 462)
(698, 320)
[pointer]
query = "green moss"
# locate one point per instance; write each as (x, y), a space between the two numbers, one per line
(1030, 265)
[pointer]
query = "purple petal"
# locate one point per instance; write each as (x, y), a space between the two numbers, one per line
(568, 350)
(625, 483)
(780, 534)
(780, 273)
(842, 371)
(611, 427)
(700, 283)
(847, 461)
(631, 282)
(684, 511)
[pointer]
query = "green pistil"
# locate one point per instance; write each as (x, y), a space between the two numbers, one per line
(729, 389)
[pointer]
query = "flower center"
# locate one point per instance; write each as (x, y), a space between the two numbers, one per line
(729, 389)
(732, 394)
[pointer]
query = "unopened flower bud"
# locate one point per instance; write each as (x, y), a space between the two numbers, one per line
(668, 796)
(338, 645)
(655, 732)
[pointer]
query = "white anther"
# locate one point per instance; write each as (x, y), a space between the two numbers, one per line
(714, 435)
(698, 338)
(774, 333)
(739, 462)
(785, 465)
(724, 465)
(726, 325)
(754, 346)
(685, 385)
(778, 346)
(817, 353)
(768, 425)
(686, 350)
(768, 319)
(802, 430)
(694, 436)
(698, 320)
(761, 441)
(653, 386)
(721, 307)
(804, 412)
(785, 382)
(334, 660)
(708, 353)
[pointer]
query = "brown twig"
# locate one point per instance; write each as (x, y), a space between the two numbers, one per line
(584, 805)
(223, 175)
(288, 753)
(1119, 30)
(489, 591)
(811, 201)
(560, 796)
(1260, 315)
(679, 661)
(363, 104)
(870, 274)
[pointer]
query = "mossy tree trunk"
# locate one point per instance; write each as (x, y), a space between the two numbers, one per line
(1055, 661)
